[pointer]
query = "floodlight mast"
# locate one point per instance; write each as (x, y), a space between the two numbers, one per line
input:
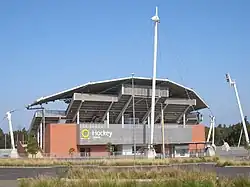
(212, 131)
(233, 84)
(156, 20)
(8, 116)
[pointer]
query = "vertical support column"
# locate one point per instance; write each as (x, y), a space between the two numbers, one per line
(44, 127)
(122, 120)
(41, 135)
(37, 137)
(144, 134)
(78, 118)
(163, 132)
(184, 120)
(108, 119)
(148, 122)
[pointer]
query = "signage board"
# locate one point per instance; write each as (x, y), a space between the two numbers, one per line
(95, 133)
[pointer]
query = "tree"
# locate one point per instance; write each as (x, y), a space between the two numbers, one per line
(71, 151)
(32, 146)
(109, 148)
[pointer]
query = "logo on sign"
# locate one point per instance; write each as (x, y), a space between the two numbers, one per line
(85, 134)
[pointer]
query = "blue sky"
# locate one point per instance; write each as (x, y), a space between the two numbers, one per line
(48, 46)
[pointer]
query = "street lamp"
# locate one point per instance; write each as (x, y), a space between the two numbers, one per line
(156, 20)
(233, 84)
(14, 153)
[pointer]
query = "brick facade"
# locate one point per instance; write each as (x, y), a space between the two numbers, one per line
(61, 137)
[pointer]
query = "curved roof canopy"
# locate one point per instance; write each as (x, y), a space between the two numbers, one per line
(112, 86)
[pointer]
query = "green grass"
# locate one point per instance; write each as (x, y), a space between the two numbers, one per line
(132, 173)
(159, 178)
(118, 162)
(103, 162)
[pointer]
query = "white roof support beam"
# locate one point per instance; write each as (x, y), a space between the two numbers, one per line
(105, 114)
(181, 116)
(145, 117)
(159, 115)
(69, 107)
(78, 108)
(95, 97)
(180, 102)
(123, 110)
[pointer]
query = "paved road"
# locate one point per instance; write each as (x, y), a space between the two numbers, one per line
(15, 173)
(8, 183)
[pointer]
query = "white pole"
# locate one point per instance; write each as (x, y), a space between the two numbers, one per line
(41, 135)
(11, 130)
(78, 117)
(122, 120)
(5, 139)
(133, 95)
(241, 132)
(240, 137)
(44, 128)
(108, 119)
(156, 20)
(213, 122)
(210, 129)
(37, 137)
(184, 120)
(163, 132)
(241, 113)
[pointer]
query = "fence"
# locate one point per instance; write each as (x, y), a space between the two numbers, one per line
(185, 153)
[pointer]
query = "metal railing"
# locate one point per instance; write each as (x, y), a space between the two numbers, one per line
(187, 153)
(39, 113)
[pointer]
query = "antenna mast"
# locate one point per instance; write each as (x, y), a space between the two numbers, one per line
(233, 84)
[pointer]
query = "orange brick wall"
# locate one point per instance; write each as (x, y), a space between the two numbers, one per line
(198, 135)
(47, 138)
(20, 149)
(60, 138)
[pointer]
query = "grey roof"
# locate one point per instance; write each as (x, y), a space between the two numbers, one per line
(111, 86)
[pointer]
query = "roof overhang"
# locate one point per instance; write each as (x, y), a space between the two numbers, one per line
(107, 84)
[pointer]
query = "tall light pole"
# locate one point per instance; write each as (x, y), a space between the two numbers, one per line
(245, 119)
(156, 20)
(211, 129)
(133, 98)
(8, 116)
(13, 153)
(233, 84)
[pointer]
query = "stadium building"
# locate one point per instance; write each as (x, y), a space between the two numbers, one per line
(101, 113)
